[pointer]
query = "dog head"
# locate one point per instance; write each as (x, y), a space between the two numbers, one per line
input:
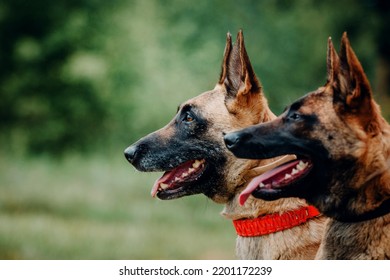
(190, 148)
(339, 137)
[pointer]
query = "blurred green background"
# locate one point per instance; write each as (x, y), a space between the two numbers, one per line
(80, 80)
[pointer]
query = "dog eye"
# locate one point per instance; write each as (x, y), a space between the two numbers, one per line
(294, 116)
(188, 117)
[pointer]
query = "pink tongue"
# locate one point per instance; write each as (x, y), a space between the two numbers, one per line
(158, 181)
(259, 179)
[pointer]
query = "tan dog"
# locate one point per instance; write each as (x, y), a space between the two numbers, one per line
(191, 152)
(343, 144)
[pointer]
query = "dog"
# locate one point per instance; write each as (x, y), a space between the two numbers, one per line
(191, 152)
(342, 144)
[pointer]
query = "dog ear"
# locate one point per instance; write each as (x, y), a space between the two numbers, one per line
(353, 87)
(333, 62)
(225, 62)
(352, 90)
(237, 75)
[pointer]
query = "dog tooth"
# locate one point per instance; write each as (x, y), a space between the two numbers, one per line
(294, 171)
(184, 174)
(287, 176)
(191, 170)
(196, 164)
(163, 186)
(301, 165)
(262, 185)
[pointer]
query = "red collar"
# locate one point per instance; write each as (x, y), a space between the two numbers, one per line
(274, 222)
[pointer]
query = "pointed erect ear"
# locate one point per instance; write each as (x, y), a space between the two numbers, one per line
(333, 62)
(237, 74)
(353, 86)
(225, 61)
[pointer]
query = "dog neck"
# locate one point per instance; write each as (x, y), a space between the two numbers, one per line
(371, 200)
(380, 211)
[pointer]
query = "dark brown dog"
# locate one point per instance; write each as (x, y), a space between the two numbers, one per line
(191, 152)
(343, 147)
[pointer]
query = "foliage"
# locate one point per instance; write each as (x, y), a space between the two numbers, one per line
(50, 75)
(87, 74)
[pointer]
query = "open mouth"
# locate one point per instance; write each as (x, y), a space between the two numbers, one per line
(278, 178)
(172, 184)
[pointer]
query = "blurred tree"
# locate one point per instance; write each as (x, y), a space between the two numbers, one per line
(49, 99)
(79, 73)
(286, 40)
(382, 39)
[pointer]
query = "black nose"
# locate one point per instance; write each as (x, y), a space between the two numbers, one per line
(130, 153)
(231, 139)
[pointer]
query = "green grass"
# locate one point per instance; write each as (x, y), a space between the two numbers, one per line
(101, 208)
